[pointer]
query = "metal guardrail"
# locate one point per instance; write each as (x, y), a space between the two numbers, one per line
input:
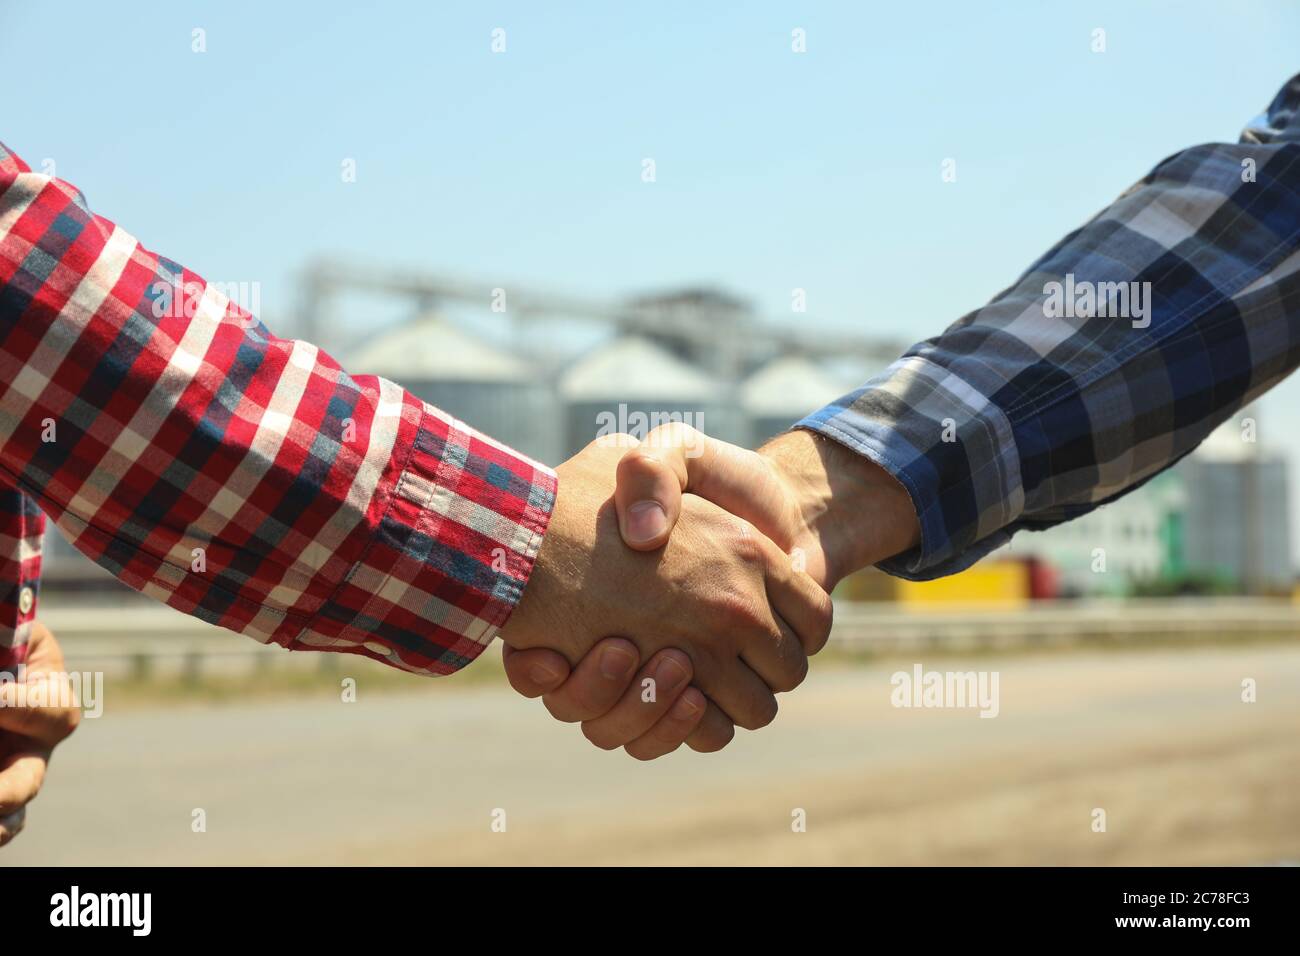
(150, 640)
(881, 627)
(145, 641)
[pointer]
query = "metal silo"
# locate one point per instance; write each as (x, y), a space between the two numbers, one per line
(1238, 515)
(784, 391)
(632, 385)
(494, 391)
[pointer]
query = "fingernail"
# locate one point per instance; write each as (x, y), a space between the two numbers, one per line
(669, 675)
(646, 520)
(615, 662)
(541, 674)
(686, 707)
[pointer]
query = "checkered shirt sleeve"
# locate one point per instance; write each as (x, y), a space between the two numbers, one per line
(22, 526)
(1042, 405)
(242, 478)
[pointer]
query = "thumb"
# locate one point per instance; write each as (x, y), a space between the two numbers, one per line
(650, 481)
(674, 459)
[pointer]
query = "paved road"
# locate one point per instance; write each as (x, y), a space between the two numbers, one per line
(1186, 772)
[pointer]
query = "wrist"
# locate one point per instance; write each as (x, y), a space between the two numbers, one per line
(857, 513)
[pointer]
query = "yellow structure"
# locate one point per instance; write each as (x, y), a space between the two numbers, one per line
(989, 584)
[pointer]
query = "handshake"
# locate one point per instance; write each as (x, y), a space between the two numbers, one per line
(707, 565)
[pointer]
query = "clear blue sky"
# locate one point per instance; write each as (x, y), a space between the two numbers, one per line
(775, 170)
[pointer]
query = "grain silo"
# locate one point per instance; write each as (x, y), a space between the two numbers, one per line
(632, 385)
(492, 390)
(784, 391)
(1238, 524)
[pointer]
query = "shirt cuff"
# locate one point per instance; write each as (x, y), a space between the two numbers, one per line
(949, 445)
(450, 557)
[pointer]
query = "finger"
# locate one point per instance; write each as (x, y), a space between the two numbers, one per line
(12, 825)
(796, 599)
(534, 671)
(648, 495)
(777, 657)
(769, 646)
(673, 728)
(43, 651)
(744, 696)
(662, 681)
(21, 776)
(714, 732)
(676, 458)
(597, 682)
(47, 722)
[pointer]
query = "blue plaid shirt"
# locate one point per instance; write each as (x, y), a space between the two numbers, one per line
(1109, 359)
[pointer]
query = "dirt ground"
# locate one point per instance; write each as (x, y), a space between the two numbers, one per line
(1179, 788)
(1217, 801)
(1161, 741)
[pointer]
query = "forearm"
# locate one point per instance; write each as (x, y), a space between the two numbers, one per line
(857, 513)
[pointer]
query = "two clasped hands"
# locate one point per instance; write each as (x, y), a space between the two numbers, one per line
(683, 581)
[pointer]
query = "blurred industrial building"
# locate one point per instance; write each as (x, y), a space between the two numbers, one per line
(1216, 523)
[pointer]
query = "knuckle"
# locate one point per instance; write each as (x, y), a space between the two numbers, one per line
(736, 608)
(670, 435)
(746, 546)
(638, 463)
(793, 673)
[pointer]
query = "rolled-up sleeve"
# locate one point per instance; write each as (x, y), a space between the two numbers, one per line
(242, 478)
(1110, 358)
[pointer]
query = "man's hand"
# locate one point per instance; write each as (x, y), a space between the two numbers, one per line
(28, 733)
(720, 591)
(601, 693)
(833, 510)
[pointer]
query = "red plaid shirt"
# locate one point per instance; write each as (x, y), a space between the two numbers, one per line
(239, 477)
